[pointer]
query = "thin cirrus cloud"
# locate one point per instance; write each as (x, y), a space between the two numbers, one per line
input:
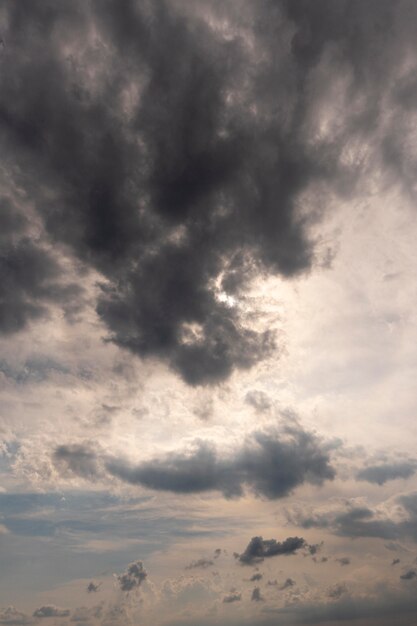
(192, 171)
(272, 465)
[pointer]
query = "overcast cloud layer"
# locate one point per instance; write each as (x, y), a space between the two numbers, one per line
(207, 326)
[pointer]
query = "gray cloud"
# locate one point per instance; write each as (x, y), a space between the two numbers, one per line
(133, 577)
(259, 549)
(409, 575)
(200, 564)
(380, 474)
(93, 587)
(50, 610)
(272, 464)
(287, 584)
(232, 597)
(171, 177)
(256, 595)
(258, 400)
(79, 459)
(256, 577)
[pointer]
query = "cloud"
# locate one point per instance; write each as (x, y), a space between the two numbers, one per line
(258, 400)
(256, 577)
(180, 181)
(11, 616)
(287, 584)
(343, 560)
(50, 610)
(133, 577)
(256, 595)
(380, 474)
(259, 549)
(409, 575)
(93, 587)
(393, 519)
(270, 463)
(232, 597)
(200, 564)
(337, 591)
(78, 459)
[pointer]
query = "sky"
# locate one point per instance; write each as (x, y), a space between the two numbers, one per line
(207, 331)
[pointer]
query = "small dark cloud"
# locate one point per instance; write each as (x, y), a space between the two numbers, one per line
(255, 577)
(395, 561)
(77, 459)
(258, 400)
(343, 560)
(93, 587)
(256, 595)
(133, 577)
(287, 584)
(200, 564)
(232, 597)
(409, 575)
(50, 610)
(259, 549)
(314, 548)
(380, 474)
(217, 553)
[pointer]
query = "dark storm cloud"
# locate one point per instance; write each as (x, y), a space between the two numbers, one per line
(380, 474)
(259, 549)
(133, 577)
(170, 173)
(31, 278)
(271, 464)
(50, 610)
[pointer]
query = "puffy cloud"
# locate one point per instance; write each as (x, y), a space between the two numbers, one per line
(133, 577)
(11, 616)
(259, 549)
(272, 464)
(50, 610)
